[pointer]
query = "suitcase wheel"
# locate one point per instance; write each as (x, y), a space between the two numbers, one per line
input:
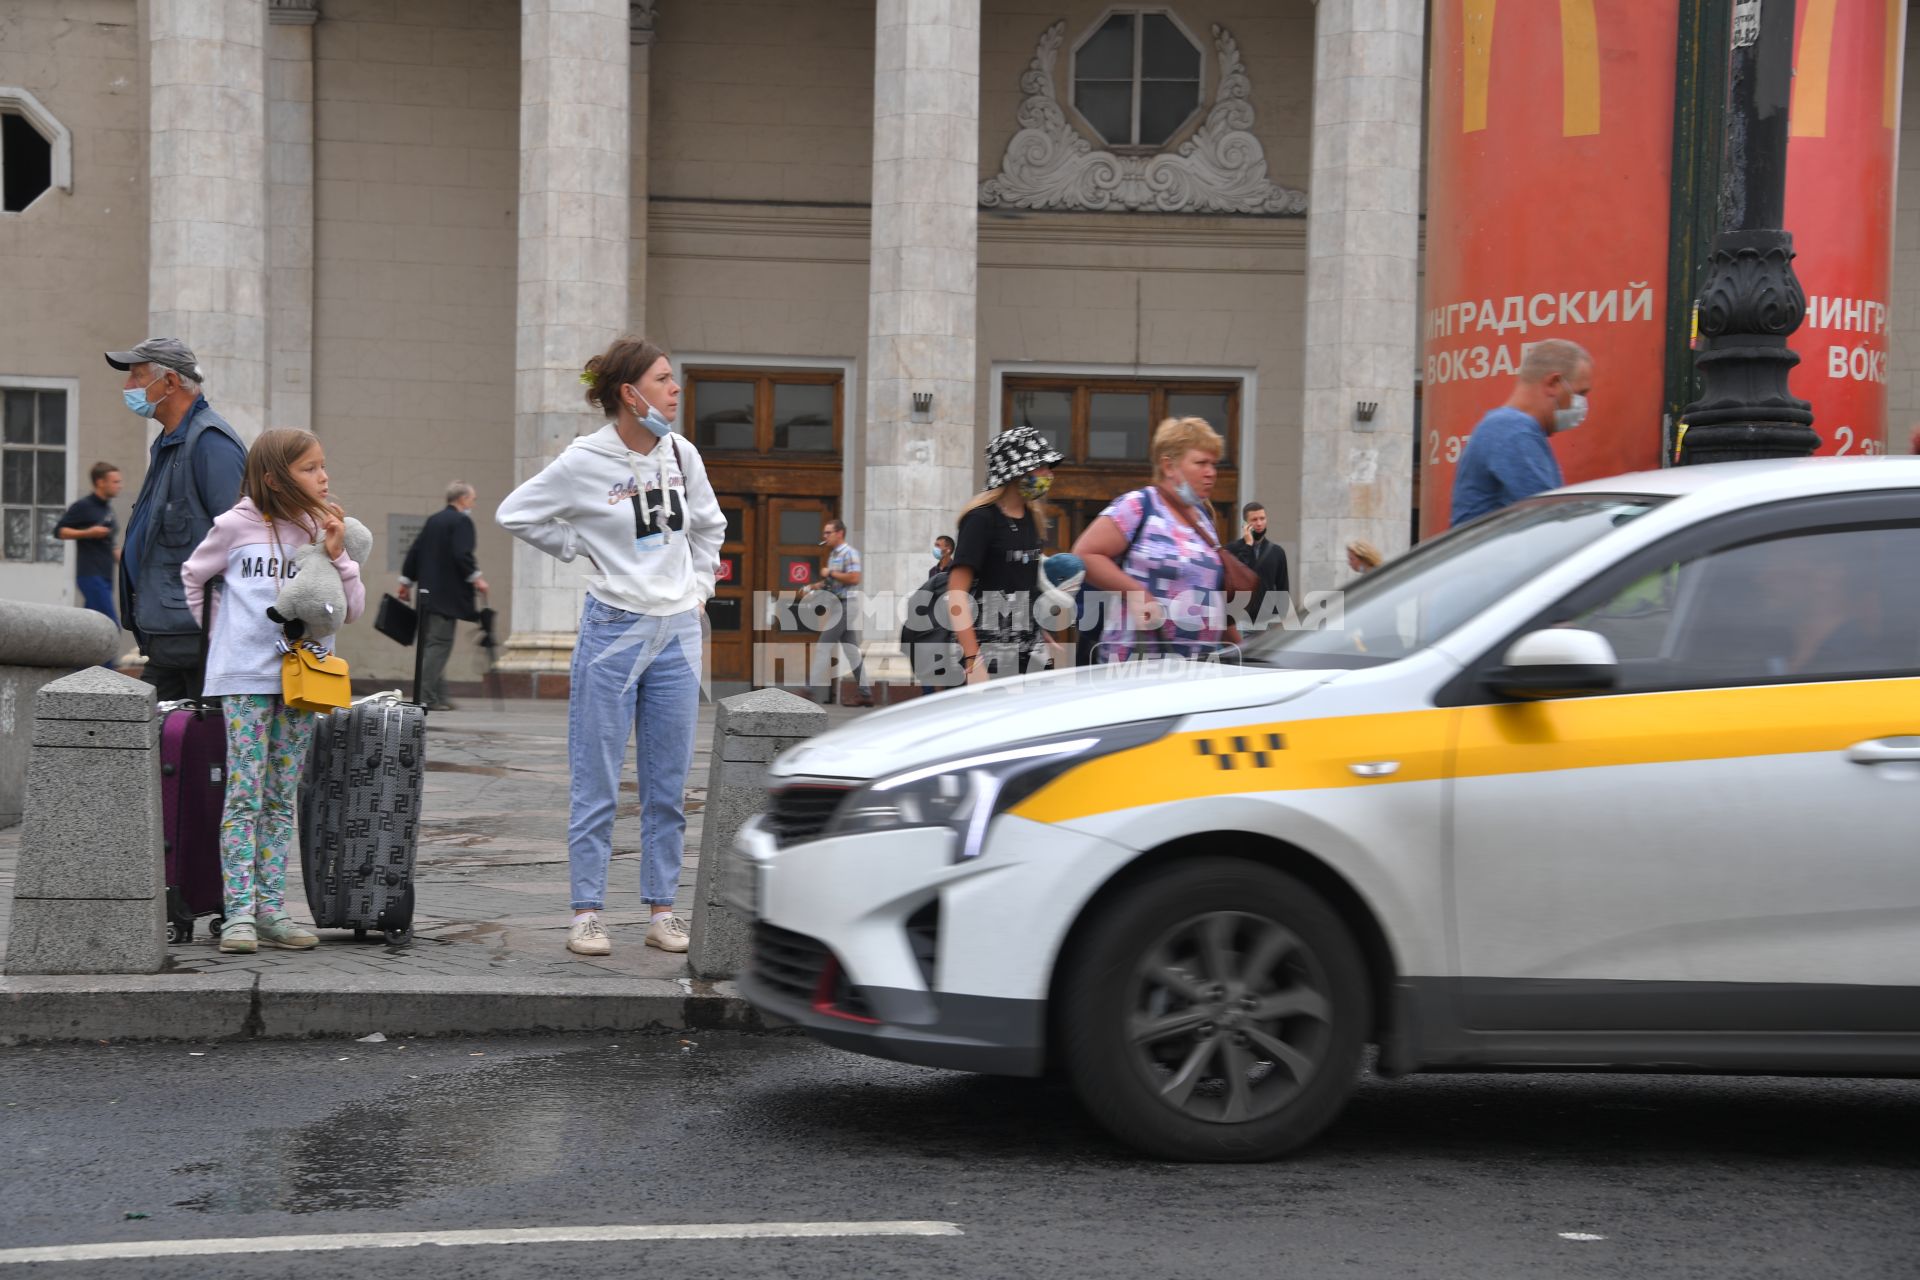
(179, 931)
(214, 926)
(397, 923)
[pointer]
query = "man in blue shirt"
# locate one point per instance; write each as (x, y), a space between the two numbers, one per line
(193, 474)
(1508, 456)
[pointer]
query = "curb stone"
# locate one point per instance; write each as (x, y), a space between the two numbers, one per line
(170, 1007)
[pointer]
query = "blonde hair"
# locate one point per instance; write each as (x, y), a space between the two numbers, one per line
(1175, 436)
(1041, 508)
(1365, 552)
(1550, 356)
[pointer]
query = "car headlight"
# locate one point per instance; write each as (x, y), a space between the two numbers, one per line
(964, 794)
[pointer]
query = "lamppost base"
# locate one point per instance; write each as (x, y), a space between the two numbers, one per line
(1750, 306)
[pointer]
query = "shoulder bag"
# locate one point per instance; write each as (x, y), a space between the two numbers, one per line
(311, 680)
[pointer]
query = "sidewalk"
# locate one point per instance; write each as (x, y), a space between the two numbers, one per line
(491, 917)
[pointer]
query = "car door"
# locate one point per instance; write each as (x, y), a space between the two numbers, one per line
(1727, 839)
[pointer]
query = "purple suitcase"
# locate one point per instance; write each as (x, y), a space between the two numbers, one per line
(193, 792)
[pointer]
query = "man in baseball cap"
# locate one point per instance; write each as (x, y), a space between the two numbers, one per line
(193, 474)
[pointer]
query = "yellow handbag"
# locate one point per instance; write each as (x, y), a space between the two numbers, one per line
(314, 681)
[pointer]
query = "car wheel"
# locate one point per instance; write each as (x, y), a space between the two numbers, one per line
(1217, 1010)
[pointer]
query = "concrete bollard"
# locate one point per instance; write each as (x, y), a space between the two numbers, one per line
(749, 730)
(90, 895)
(39, 643)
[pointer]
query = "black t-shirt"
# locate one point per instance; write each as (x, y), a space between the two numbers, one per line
(1004, 554)
(95, 556)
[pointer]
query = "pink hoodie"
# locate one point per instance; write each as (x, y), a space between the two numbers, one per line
(243, 655)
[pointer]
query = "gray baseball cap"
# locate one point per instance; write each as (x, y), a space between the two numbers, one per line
(168, 353)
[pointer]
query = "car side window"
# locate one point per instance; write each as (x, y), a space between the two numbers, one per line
(1822, 604)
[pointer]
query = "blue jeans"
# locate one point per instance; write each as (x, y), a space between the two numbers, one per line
(96, 593)
(630, 672)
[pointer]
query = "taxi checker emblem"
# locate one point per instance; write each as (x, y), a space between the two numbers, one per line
(1233, 751)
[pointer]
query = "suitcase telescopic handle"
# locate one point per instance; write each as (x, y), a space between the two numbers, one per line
(419, 643)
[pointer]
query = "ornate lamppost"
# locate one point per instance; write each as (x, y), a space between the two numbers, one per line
(1752, 301)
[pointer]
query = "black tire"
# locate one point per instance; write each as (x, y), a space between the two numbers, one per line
(1215, 965)
(215, 925)
(179, 931)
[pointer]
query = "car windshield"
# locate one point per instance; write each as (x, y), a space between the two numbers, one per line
(1409, 604)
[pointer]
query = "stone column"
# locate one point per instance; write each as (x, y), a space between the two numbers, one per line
(640, 24)
(1363, 241)
(290, 212)
(90, 894)
(207, 158)
(749, 731)
(575, 223)
(922, 288)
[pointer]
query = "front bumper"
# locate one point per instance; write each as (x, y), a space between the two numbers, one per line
(927, 1028)
(882, 944)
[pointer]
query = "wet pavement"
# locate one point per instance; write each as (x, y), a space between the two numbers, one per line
(1468, 1177)
(493, 890)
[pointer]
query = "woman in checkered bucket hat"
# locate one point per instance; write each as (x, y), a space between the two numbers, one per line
(996, 559)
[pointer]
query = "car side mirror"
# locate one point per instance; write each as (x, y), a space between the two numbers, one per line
(1556, 662)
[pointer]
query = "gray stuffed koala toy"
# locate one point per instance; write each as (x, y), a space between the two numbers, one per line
(313, 601)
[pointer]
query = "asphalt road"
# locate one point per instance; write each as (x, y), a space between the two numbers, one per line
(1444, 1176)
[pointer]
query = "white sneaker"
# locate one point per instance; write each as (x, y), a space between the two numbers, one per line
(667, 933)
(588, 937)
(238, 938)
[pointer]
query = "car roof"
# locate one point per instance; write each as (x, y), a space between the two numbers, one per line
(1737, 483)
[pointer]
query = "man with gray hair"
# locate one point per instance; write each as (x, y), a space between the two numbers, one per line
(442, 563)
(1508, 457)
(193, 474)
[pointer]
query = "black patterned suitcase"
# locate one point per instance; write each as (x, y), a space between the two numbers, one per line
(360, 816)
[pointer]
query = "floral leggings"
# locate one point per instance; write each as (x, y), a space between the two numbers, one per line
(266, 751)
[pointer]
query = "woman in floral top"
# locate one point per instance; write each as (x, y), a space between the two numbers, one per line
(1158, 548)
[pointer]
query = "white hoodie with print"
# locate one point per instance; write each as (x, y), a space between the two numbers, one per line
(649, 523)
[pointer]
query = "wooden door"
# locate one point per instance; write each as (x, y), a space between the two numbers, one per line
(791, 566)
(730, 612)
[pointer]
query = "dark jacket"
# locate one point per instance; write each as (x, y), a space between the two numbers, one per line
(1268, 562)
(193, 474)
(441, 561)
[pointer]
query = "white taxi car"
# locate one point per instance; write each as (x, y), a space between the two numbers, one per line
(1625, 776)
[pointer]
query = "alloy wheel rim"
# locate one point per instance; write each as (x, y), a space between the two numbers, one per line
(1227, 1016)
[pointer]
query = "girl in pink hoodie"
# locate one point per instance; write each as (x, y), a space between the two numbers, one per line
(284, 505)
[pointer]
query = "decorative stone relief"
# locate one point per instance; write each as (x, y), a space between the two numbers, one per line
(640, 14)
(293, 13)
(1222, 168)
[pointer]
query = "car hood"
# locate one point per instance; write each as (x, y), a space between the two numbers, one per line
(963, 721)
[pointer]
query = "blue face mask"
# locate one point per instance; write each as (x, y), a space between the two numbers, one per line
(657, 424)
(1185, 493)
(137, 401)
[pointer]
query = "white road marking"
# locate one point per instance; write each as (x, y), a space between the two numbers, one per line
(135, 1249)
(1580, 1235)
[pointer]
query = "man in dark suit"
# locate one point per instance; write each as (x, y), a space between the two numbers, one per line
(442, 563)
(1269, 563)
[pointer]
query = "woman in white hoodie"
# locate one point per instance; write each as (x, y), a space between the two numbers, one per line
(634, 499)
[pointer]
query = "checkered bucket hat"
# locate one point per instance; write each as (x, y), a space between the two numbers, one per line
(1015, 453)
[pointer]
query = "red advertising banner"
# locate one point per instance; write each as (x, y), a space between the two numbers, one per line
(1550, 154)
(1843, 126)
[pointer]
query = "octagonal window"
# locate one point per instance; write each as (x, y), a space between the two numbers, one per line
(1136, 78)
(36, 151)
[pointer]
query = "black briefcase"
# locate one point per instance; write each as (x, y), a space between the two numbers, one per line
(397, 620)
